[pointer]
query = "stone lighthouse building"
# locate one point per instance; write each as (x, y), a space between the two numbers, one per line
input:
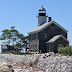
(48, 35)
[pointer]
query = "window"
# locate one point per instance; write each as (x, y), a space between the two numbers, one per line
(33, 46)
(30, 46)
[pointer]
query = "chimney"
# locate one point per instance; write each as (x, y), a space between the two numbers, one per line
(49, 19)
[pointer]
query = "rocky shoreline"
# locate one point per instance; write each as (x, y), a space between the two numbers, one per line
(48, 62)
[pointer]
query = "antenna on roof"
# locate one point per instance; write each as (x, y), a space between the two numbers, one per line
(42, 2)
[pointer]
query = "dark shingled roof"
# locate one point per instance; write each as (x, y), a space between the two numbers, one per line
(40, 28)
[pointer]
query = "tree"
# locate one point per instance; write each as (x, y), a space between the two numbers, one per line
(25, 42)
(14, 38)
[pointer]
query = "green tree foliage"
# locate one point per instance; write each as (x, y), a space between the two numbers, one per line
(14, 38)
(65, 50)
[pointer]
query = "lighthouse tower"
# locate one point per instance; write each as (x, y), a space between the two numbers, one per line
(42, 18)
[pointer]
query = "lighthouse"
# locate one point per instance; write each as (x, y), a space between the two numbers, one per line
(42, 18)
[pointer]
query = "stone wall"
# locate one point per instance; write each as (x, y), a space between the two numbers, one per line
(42, 37)
(51, 31)
(34, 46)
(48, 33)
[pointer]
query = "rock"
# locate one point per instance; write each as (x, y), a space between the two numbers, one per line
(55, 63)
(18, 58)
(57, 54)
(44, 56)
(5, 69)
(12, 70)
(10, 66)
(52, 54)
(47, 54)
(60, 54)
(48, 62)
(48, 70)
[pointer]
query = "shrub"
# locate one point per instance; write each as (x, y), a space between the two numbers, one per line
(65, 50)
(31, 64)
(16, 53)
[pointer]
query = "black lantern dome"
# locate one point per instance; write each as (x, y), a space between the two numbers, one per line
(42, 9)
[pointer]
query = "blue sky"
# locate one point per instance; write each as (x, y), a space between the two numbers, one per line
(23, 14)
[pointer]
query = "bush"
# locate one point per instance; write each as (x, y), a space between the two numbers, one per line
(65, 50)
(16, 53)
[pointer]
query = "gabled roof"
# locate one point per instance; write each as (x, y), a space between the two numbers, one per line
(40, 28)
(55, 38)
